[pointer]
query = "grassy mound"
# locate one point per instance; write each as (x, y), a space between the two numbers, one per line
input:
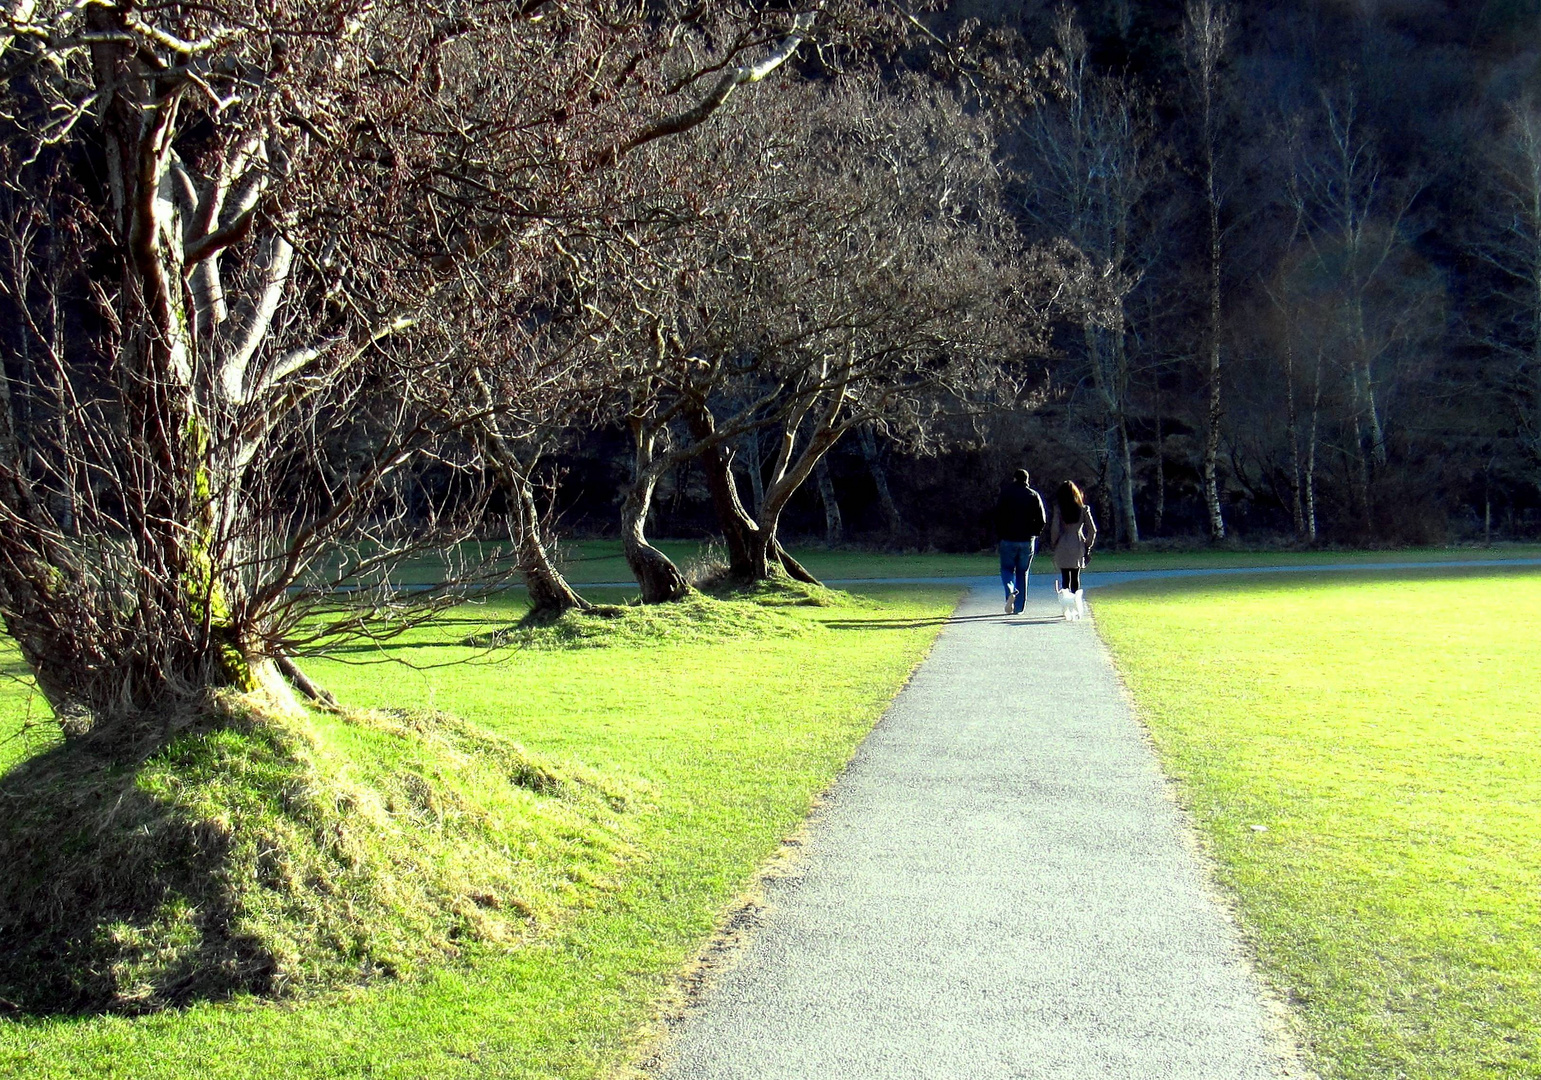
(734, 739)
(698, 618)
(239, 850)
(783, 591)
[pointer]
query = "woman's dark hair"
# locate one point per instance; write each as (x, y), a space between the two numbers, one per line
(1070, 502)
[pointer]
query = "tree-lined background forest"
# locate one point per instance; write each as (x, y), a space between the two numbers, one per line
(1324, 233)
(1315, 232)
(295, 295)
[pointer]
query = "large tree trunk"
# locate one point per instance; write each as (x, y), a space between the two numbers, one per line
(763, 560)
(657, 576)
(153, 620)
(768, 558)
(550, 593)
(734, 521)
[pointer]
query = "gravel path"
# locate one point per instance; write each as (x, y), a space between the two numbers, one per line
(998, 886)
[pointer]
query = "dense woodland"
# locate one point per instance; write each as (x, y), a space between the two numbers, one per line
(1322, 245)
(1371, 172)
(295, 292)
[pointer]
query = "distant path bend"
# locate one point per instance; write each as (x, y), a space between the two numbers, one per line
(999, 886)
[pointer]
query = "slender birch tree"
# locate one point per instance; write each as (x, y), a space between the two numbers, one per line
(1205, 32)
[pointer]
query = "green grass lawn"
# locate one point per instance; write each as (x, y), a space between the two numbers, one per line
(25, 724)
(724, 734)
(589, 561)
(1386, 732)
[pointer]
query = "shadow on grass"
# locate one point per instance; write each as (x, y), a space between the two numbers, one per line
(113, 896)
(387, 648)
(914, 624)
(218, 850)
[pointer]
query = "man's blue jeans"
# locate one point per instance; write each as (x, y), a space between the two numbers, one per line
(1016, 557)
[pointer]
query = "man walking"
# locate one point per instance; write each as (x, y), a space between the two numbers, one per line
(1018, 521)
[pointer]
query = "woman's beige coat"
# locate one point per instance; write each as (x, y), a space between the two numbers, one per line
(1070, 542)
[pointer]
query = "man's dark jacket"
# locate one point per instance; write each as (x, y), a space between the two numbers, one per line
(1018, 513)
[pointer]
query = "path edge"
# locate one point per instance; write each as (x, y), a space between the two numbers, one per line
(649, 1050)
(1283, 1030)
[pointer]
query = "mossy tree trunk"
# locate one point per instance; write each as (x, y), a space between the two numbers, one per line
(176, 389)
(117, 627)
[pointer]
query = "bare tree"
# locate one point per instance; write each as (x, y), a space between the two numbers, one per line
(534, 380)
(850, 266)
(1205, 32)
(1091, 165)
(1292, 337)
(916, 289)
(1509, 241)
(1353, 226)
(230, 221)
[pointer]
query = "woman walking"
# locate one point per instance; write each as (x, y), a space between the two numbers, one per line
(1072, 532)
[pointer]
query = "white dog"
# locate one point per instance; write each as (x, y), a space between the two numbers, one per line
(1071, 604)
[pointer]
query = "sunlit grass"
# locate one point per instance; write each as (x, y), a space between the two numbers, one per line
(1386, 734)
(1384, 731)
(725, 737)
